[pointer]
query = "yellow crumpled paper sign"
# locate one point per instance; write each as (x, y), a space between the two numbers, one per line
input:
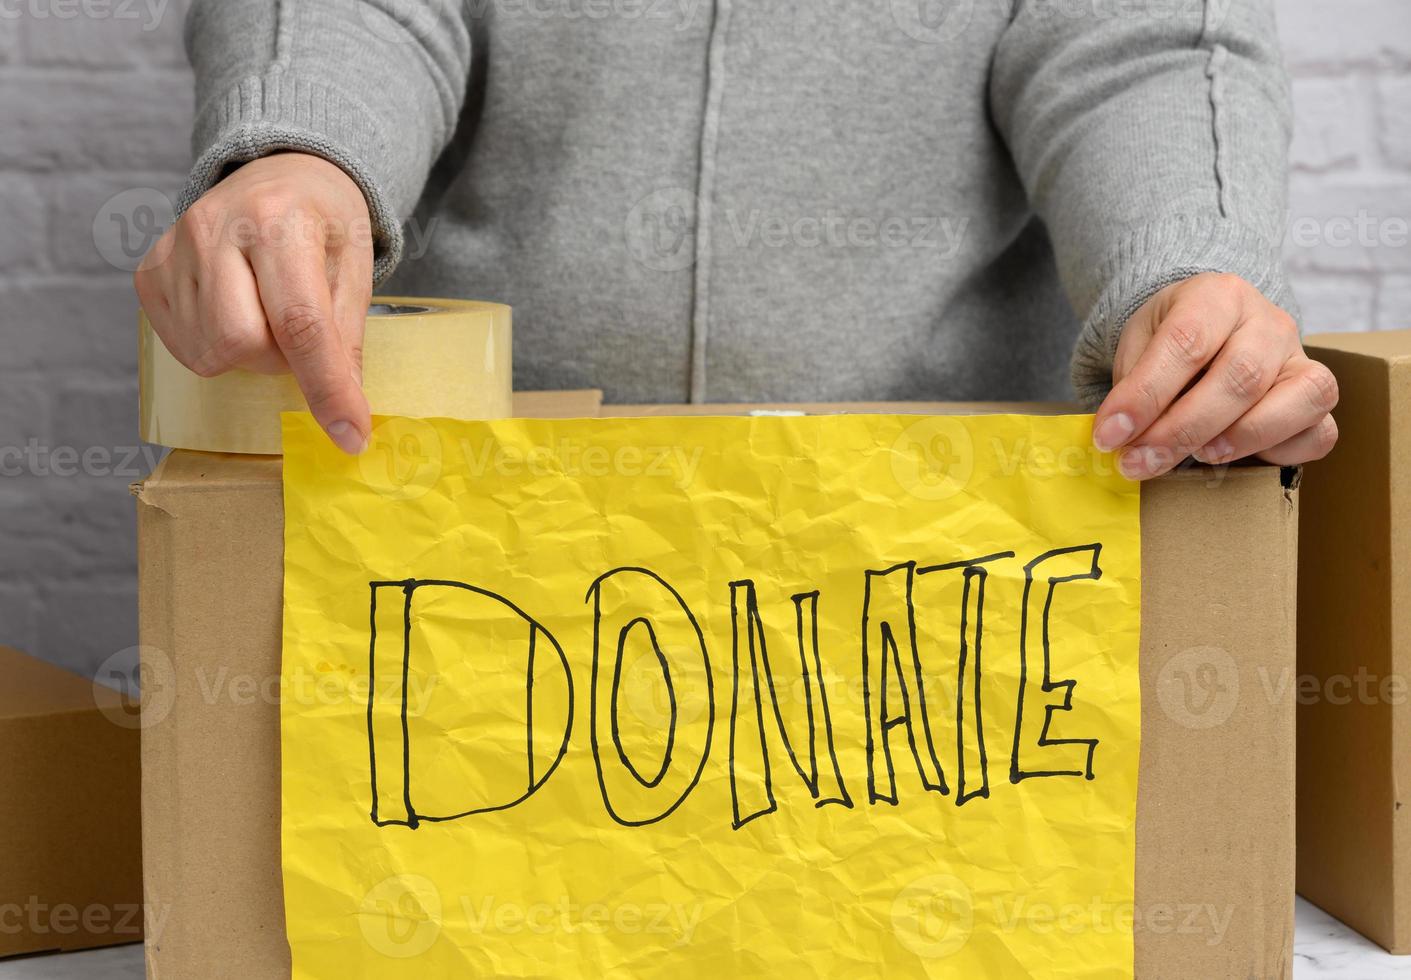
(710, 697)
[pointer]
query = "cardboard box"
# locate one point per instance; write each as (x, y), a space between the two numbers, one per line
(1354, 650)
(1214, 888)
(70, 854)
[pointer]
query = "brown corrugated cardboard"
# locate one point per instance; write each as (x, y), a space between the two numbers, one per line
(1214, 888)
(70, 857)
(1354, 649)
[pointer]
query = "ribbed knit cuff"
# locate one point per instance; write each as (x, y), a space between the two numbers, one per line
(1153, 257)
(276, 112)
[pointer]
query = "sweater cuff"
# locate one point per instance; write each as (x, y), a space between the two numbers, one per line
(278, 112)
(1153, 257)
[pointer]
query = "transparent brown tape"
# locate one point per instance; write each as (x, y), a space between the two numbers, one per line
(425, 358)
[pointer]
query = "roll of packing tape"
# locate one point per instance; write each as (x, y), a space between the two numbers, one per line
(421, 357)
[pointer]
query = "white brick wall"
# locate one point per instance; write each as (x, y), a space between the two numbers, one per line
(1349, 234)
(96, 99)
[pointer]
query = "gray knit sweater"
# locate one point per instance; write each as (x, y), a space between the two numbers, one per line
(751, 200)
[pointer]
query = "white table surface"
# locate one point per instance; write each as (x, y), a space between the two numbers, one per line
(1323, 947)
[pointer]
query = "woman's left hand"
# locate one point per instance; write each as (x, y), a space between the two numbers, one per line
(1209, 368)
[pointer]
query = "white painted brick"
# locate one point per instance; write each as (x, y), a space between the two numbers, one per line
(135, 121)
(79, 323)
(1394, 119)
(101, 415)
(24, 409)
(96, 229)
(1394, 304)
(1328, 124)
(1358, 224)
(18, 619)
(22, 224)
(109, 36)
(1326, 35)
(9, 41)
(81, 625)
(64, 523)
(1335, 303)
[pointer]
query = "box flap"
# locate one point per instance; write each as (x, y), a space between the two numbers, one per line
(846, 408)
(558, 404)
(1386, 345)
(30, 687)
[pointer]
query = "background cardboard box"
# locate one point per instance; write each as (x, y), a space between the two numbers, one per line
(1354, 649)
(70, 846)
(1214, 888)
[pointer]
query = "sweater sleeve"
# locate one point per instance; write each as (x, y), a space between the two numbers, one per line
(373, 86)
(1152, 139)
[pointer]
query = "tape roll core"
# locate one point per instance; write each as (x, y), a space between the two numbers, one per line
(424, 358)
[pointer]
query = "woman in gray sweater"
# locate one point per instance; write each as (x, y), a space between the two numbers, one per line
(748, 200)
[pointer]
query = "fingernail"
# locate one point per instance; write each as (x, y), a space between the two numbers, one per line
(1217, 451)
(347, 437)
(1113, 432)
(1137, 462)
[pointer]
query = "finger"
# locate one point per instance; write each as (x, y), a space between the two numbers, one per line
(293, 287)
(1312, 443)
(1184, 342)
(167, 292)
(1297, 402)
(232, 320)
(1238, 378)
(352, 293)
